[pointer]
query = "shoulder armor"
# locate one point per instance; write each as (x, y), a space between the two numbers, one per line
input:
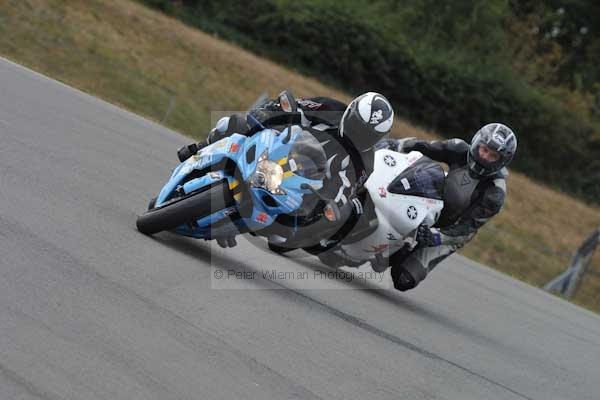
(502, 174)
(500, 183)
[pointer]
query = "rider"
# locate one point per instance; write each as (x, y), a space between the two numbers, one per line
(347, 134)
(474, 192)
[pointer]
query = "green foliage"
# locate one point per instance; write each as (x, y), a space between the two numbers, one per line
(572, 26)
(444, 64)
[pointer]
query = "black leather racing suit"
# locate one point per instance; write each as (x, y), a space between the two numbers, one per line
(469, 202)
(347, 169)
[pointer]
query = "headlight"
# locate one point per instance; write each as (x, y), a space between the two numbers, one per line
(268, 175)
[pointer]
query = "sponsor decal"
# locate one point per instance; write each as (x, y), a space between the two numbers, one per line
(389, 161)
(376, 117)
(234, 147)
(215, 175)
(412, 158)
(309, 103)
(262, 218)
(412, 213)
(382, 192)
(390, 236)
(405, 183)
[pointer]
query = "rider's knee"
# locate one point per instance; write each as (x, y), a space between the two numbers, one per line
(408, 275)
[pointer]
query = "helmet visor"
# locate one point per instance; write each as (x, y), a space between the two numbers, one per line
(488, 155)
(486, 158)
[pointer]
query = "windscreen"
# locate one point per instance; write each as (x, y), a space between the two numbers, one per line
(425, 178)
(307, 157)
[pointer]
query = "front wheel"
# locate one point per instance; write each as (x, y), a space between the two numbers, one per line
(186, 209)
(152, 203)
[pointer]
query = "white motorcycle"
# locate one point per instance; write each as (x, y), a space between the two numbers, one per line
(406, 191)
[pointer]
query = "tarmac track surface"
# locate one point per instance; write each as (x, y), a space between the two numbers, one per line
(92, 309)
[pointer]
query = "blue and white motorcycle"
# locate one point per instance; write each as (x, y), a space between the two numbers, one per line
(239, 184)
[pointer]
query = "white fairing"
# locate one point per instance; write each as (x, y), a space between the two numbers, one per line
(398, 215)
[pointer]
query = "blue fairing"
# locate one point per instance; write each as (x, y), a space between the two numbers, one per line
(245, 153)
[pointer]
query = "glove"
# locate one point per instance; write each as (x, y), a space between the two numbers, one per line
(266, 111)
(186, 152)
(390, 144)
(428, 237)
(271, 115)
(403, 145)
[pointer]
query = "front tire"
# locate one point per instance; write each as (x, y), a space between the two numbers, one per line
(188, 208)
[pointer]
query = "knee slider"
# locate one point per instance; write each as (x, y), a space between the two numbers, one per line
(407, 276)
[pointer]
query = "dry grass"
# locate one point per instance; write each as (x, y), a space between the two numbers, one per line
(142, 60)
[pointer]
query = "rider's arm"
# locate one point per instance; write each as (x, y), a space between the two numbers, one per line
(316, 110)
(322, 110)
(271, 114)
(445, 151)
(489, 204)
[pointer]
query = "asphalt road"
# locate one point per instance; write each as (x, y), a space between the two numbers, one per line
(91, 309)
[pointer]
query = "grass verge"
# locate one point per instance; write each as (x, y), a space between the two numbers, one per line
(155, 66)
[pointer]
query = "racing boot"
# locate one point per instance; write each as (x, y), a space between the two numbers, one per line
(226, 242)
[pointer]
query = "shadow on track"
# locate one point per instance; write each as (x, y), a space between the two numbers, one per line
(200, 250)
(192, 248)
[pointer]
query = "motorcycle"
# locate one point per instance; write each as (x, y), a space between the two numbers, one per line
(243, 184)
(240, 184)
(406, 191)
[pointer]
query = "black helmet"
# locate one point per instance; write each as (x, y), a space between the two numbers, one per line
(498, 142)
(367, 119)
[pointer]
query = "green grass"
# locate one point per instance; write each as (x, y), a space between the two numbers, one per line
(142, 60)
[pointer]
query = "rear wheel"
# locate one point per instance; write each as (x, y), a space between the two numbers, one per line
(186, 209)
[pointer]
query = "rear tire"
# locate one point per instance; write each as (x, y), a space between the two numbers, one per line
(187, 209)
